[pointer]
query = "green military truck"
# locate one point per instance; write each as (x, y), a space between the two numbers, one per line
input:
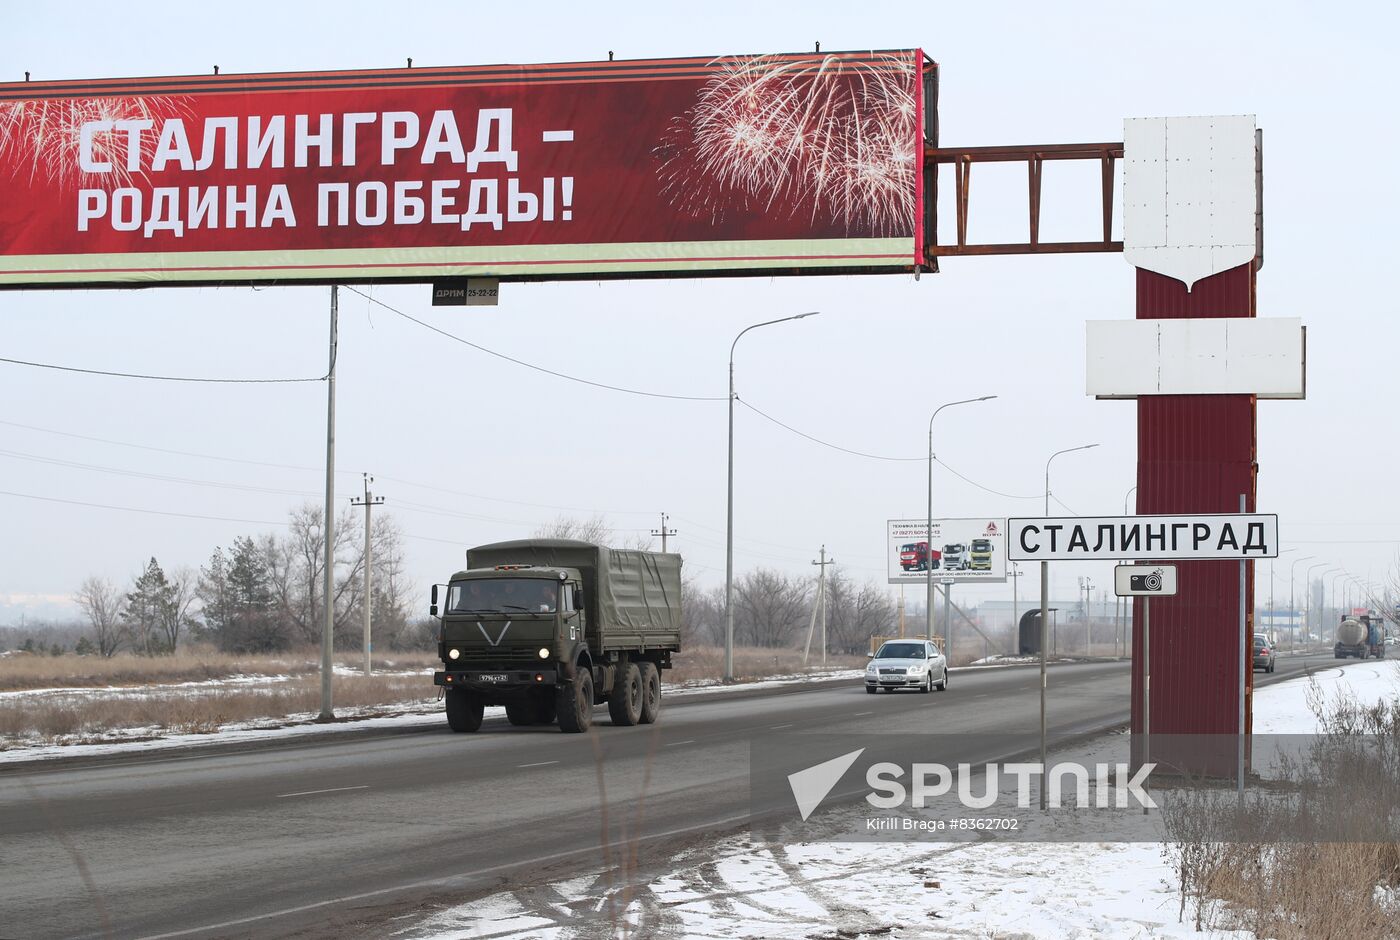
(550, 627)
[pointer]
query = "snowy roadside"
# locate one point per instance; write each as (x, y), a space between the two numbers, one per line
(425, 711)
(408, 713)
(1075, 886)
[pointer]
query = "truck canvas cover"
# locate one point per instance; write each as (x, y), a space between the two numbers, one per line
(633, 597)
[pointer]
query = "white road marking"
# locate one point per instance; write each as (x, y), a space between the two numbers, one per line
(779, 727)
(679, 743)
(543, 763)
(283, 796)
(861, 714)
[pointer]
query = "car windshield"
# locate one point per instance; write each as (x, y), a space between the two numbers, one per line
(901, 651)
(1260, 642)
(503, 595)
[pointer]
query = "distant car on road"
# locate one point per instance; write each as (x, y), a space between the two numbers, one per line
(1264, 653)
(907, 664)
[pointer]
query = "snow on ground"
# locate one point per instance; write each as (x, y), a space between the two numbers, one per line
(411, 713)
(735, 887)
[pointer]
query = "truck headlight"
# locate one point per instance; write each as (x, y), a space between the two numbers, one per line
(453, 653)
(544, 652)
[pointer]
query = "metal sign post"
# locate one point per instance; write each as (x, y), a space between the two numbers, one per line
(1147, 582)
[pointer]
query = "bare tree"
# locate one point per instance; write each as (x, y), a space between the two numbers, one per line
(769, 607)
(175, 615)
(702, 614)
(855, 613)
(101, 601)
(595, 529)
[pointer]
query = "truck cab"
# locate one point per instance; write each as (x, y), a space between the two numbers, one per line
(549, 628)
(914, 556)
(981, 554)
(955, 557)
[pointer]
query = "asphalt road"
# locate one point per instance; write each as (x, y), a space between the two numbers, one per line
(321, 838)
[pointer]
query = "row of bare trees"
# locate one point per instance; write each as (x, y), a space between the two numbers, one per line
(773, 609)
(261, 594)
(267, 593)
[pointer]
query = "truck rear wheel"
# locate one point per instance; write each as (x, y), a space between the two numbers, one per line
(463, 710)
(575, 703)
(651, 693)
(625, 701)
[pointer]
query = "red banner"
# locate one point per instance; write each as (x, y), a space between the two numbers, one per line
(763, 164)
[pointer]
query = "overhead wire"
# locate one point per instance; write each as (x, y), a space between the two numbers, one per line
(161, 378)
(529, 365)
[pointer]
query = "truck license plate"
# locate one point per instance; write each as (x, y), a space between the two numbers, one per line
(493, 677)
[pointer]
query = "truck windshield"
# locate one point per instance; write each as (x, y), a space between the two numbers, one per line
(503, 595)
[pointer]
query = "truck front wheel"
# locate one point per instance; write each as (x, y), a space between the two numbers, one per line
(651, 693)
(575, 703)
(625, 701)
(463, 710)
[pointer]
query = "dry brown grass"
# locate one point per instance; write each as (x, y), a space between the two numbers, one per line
(88, 717)
(147, 699)
(706, 663)
(194, 664)
(1309, 859)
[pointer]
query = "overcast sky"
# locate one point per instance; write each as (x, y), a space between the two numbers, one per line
(471, 449)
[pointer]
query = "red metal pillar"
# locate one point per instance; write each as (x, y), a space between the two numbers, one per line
(1196, 454)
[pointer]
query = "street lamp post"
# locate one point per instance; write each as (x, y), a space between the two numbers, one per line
(928, 533)
(1120, 622)
(1292, 608)
(1307, 586)
(729, 524)
(1271, 584)
(1044, 618)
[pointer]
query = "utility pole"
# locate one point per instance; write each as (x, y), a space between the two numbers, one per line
(821, 596)
(1087, 587)
(663, 531)
(328, 631)
(1015, 613)
(369, 501)
(901, 611)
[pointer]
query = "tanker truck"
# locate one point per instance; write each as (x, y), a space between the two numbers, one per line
(551, 627)
(1360, 637)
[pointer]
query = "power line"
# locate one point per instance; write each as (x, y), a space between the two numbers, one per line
(158, 378)
(149, 512)
(528, 365)
(75, 465)
(859, 453)
(163, 450)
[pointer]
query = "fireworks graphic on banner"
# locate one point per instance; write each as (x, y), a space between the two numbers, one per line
(42, 136)
(826, 136)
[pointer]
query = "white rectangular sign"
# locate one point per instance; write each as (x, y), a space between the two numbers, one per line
(1222, 356)
(1229, 536)
(963, 551)
(1144, 580)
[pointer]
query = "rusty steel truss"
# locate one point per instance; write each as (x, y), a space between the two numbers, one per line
(1034, 156)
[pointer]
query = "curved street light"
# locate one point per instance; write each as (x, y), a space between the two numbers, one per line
(928, 536)
(729, 522)
(1292, 608)
(1045, 618)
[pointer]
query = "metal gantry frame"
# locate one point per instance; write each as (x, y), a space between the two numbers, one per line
(1035, 157)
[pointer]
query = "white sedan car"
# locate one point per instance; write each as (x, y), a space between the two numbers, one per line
(907, 664)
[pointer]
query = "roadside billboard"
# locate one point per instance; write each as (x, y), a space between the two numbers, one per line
(965, 550)
(789, 163)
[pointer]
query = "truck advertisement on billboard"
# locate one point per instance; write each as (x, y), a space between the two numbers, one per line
(965, 550)
(742, 164)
